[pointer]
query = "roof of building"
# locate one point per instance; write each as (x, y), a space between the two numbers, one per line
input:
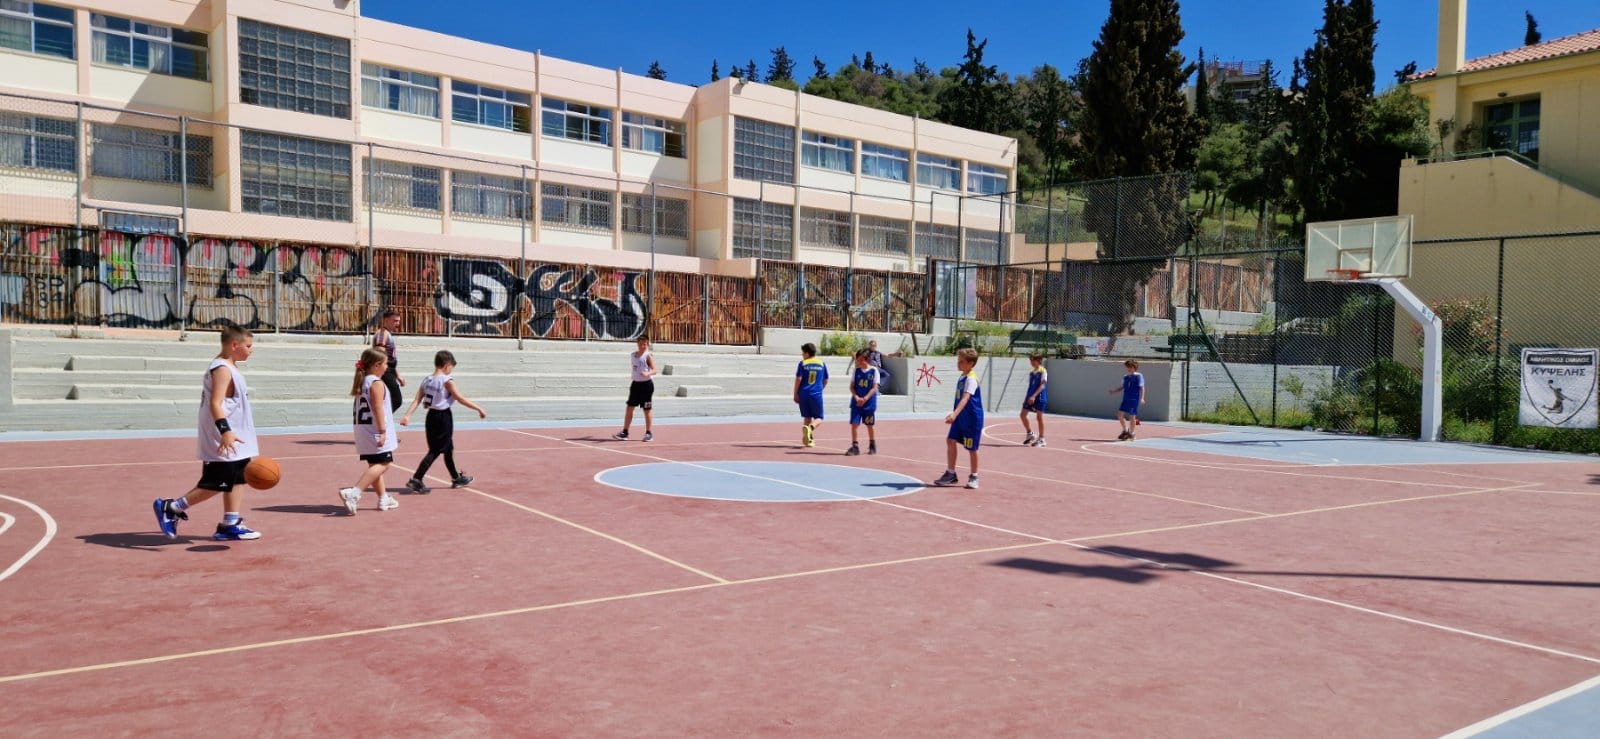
(1577, 43)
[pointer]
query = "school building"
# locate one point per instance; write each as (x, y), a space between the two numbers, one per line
(302, 121)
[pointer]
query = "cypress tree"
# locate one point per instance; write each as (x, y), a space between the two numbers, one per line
(1332, 118)
(751, 73)
(715, 75)
(974, 101)
(782, 67)
(1202, 92)
(656, 72)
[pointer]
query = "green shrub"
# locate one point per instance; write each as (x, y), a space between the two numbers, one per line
(841, 343)
(1234, 413)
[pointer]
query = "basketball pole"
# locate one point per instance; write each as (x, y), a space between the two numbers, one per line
(1432, 353)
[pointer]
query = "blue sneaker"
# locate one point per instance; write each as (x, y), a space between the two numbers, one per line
(234, 532)
(167, 517)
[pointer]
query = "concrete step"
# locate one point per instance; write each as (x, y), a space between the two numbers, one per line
(698, 391)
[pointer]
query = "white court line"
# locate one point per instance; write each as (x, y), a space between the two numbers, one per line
(1006, 438)
(1260, 470)
(10, 519)
(581, 527)
(49, 533)
(1522, 710)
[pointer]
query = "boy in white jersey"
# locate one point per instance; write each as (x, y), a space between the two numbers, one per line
(227, 441)
(439, 393)
(642, 390)
(374, 430)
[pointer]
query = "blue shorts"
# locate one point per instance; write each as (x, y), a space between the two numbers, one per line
(1130, 407)
(969, 436)
(863, 414)
(810, 406)
(1037, 406)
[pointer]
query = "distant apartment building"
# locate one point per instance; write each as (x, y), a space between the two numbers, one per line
(300, 120)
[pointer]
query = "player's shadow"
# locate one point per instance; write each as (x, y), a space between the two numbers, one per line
(326, 442)
(318, 509)
(1133, 575)
(149, 542)
(896, 485)
(766, 446)
(1594, 479)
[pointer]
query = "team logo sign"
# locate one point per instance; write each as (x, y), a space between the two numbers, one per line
(1558, 388)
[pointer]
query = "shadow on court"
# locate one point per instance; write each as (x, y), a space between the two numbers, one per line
(325, 442)
(324, 510)
(148, 542)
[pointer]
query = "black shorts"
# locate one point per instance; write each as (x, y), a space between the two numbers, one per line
(383, 458)
(221, 476)
(391, 380)
(441, 427)
(640, 393)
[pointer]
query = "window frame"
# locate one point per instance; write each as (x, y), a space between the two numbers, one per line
(876, 153)
(814, 148)
(404, 186)
(638, 127)
(330, 176)
(165, 163)
(938, 168)
(557, 202)
(671, 215)
(937, 240)
(270, 58)
(484, 190)
(99, 25)
(591, 123)
(477, 96)
(384, 79)
(1515, 124)
(27, 128)
(766, 230)
(763, 151)
(977, 173)
(821, 228)
(875, 233)
(34, 20)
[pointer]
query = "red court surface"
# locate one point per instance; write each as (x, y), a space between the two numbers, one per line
(1088, 589)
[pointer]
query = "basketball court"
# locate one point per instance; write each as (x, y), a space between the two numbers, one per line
(724, 580)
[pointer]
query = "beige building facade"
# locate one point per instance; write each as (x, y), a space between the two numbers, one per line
(301, 120)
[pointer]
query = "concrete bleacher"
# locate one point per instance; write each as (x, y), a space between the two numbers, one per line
(124, 379)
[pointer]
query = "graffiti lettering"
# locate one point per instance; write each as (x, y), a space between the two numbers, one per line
(481, 293)
(478, 293)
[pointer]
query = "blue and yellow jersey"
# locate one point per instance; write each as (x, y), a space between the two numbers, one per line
(862, 382)
(1038, 378)
(973, 412)
(813, 375)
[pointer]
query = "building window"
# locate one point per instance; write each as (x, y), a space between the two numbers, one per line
(885, 235)
(763, 151)
(401, 186)
(295, 177)
(762, 230)
(151, 156)
(659, 135)
(671, 216)
(983, 179)
(576, 207)
(939, 172)
(827, 152)
(576, 121)
(35, 142)
(985, 247)
(828, 229)
(938, 242)
(488, 196)
(123, 42)
(290, 69)
(399, 90)
(36, 27)
(490, 106)
(885, 162)
(1513, 126)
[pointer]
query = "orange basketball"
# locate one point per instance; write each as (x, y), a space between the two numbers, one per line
(262, 473)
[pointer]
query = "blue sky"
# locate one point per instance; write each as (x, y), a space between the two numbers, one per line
(1022, 34)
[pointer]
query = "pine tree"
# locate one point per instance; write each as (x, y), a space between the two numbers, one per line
(782, 67)
(715, 75)
(1532, 35)
(1202, 92)
(1134, 121)
(920, 69)
(656, 72)
(867, 64)
(1332, 117)
(751, 73)
(736, 73)
(821, 69)
(976, 99)
(1049, 108)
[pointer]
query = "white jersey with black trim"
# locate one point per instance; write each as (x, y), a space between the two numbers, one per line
(235, 409)
(641, 365)
(366, 418)
(436, 395)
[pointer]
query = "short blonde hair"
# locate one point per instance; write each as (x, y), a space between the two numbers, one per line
(970, 354)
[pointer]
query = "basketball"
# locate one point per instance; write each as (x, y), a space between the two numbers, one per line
(262, 473)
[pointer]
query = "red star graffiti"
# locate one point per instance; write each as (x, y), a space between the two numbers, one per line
(926, 373)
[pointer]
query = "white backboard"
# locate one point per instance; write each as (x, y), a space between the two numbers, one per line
(1376, 247)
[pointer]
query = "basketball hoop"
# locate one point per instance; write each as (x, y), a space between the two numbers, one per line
(1343, 275)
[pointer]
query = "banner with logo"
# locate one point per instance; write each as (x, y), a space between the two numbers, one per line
(1558, 388)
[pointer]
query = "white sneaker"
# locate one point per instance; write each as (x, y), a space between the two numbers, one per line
(1029, 441)
(351, 498)
(387, 502)
(1039, 441)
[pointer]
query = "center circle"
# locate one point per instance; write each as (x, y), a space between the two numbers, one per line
(766, 482)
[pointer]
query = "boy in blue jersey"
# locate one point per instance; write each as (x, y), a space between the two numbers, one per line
(810, 377)
(864, 402)
(966, 421)
(1035, 401)
(1132, 388)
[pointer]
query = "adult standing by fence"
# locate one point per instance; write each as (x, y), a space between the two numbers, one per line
(383, 339)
